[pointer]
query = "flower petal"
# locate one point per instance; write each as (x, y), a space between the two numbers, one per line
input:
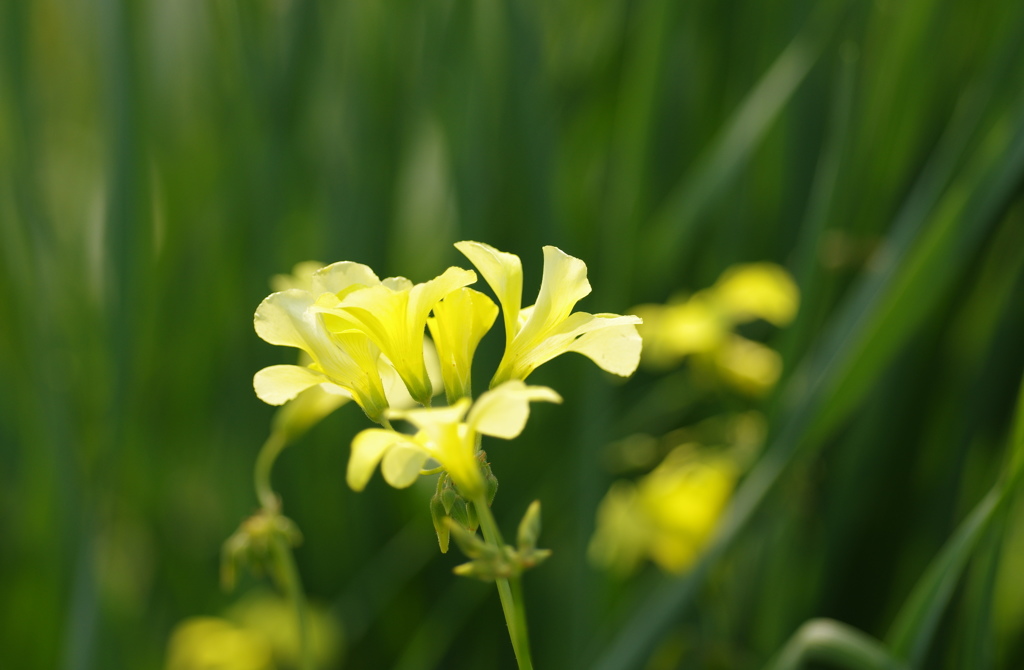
(277, 384)
(459, 323)
(425, 418)
(504, 273)
(368, 448)
(343, 277)
(757, 291)
(394, 316)
(612, 342)
(281, 318)
(616, 350)
(563, 285)
(423, 297)
(502, 411)
(402, 463)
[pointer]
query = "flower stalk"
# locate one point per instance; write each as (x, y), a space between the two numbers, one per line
(509, 589)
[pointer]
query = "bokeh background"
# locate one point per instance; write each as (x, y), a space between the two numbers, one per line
(159, 161)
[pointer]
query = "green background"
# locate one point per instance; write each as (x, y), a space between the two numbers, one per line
(159, 161)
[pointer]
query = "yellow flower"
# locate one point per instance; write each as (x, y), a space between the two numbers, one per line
(256, 633)
(459, 323)
(702, 325)
(393, 315)
(211, 643)
(757, 291)
(345, 362)
(668, 516)
(300, 278)
(749, 366)
(444, 436)
(534, 335)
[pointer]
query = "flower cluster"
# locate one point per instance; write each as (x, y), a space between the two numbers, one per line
(364, 338)
(669, 515)
(702, 326)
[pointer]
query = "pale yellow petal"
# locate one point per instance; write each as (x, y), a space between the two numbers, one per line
(428, 417)
(459, 323)
(368, 447)
(402, 463)
(504, 273)
(757, 291)
(563, 285)
(612, 342)
(423, 297)
(398, 284)
(277, 384)
(503, 411)
(343, 277)
(282, 319)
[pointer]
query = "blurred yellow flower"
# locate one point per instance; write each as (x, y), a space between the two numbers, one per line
(534, 335)
(393, 315)
(459, 323)
(668, 516)
(443, 436)
(259, 632)
(211, 643)
(702, 325)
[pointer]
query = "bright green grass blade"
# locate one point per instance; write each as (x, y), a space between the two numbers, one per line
(835, 643)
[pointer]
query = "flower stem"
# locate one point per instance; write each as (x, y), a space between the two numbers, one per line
(291, 583)
(264, 464)
(509, 590)
(287, 574)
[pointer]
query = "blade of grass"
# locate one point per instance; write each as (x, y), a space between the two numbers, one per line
(835, 643)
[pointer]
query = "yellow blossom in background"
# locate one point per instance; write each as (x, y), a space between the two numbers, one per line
(257, 633)
(748, 366)
(534, 335)
(444, 437)
(757, 291)
(210, 643)
(393, 315)
(702, 325)
(300, 278)
(668, 516)
(459, 323)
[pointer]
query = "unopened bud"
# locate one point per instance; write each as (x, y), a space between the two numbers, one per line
(529, 528)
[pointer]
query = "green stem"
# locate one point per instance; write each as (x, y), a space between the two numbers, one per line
(261, 474)
(510, 591)
(291, 583)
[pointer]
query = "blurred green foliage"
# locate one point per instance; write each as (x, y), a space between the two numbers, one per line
(159, 161)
